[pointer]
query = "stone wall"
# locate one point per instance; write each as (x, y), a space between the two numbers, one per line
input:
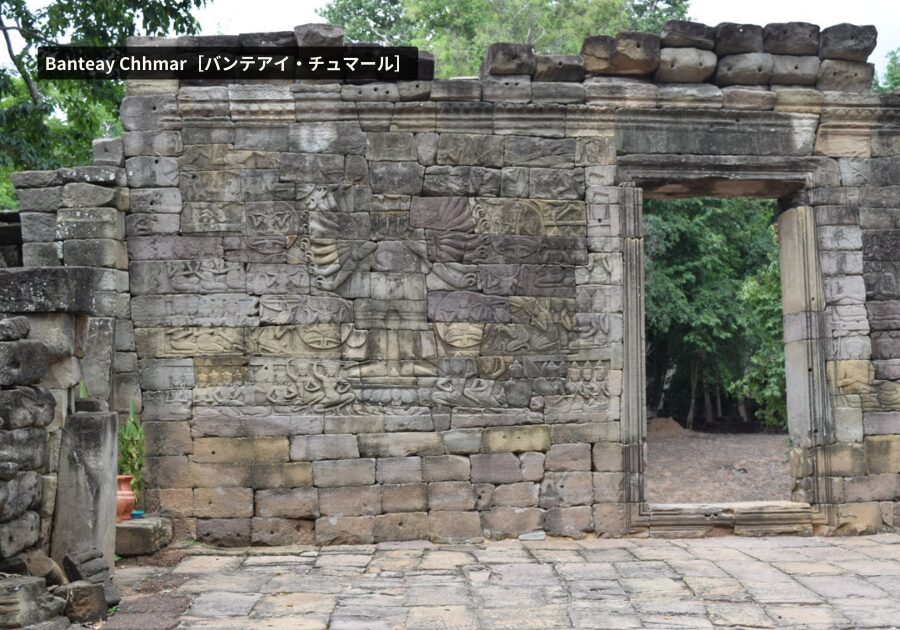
(414, 310)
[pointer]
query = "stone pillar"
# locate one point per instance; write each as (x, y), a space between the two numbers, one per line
(86, 499)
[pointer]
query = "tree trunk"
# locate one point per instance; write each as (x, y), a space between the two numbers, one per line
(695, 370)
(742, 409)
(707, 405)
(718, 402)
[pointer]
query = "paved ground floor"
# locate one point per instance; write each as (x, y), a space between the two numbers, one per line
(729, 582)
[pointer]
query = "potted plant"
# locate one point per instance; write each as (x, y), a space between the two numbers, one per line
(131, 462)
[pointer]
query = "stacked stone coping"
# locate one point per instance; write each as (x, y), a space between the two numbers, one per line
(685, 53)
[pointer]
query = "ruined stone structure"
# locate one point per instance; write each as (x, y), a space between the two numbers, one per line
(414, 310)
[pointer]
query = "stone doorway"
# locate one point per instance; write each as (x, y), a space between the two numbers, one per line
(716, 428)
(809, 420)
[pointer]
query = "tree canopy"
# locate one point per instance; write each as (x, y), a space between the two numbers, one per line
(46, 124)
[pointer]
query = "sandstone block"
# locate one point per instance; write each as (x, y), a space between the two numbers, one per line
(609, 519)
(314, 35)
(496, 468)
(24, 407)
(516, 439)
(85, 601)
(456, 90)
(454, 527)
(685, 65)
(522, 494)
(506, 89)
(507, 59)
(608, 487)
(792, 70)
(150, 172)
(223, 502)
(686, 34)
(462, 441)
(597, 52)
(345, 530)
(734, 39)
(507, 522)
(233, 450)
(569, 521)
(635, 54)
(310, 448)
(292, 503)
(292, 475)
(450, 495)
(607, 457)
(883, 454)
(397, 470)
(568, 458)
(282, 531)
(445, 468)
(404, 526)
(167, 438)
(847, 42)
(564, 489)
(559, 68)
(350, 501)
(791, 38)
(224, 532)
(845, 76)
(405, 497)
(39, 199)
(344, 473)
(399, 444)
(744, 69)
(23, 362)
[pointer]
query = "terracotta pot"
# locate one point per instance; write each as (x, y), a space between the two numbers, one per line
(125, 499)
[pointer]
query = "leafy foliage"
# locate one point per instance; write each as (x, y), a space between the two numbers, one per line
(131, 451)
(712, 315)
(761, 327)
(458, 33)
(891, 74)
(47, 124)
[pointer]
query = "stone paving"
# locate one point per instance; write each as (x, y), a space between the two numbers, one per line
(776, 582)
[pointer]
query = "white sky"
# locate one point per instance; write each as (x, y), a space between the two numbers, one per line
(246, 16)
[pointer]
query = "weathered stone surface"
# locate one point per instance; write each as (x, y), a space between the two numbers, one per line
(454, 527)
(27, 603)
(734, 39)
(226, 532)
(19, 534)
(313, 35)
(23, 362)
(845, 76)
(685, 65)
(793, 70)
(88, 449)
(456, 90)
(687, 34)
(791, 38)
(559, 68)
(345, 530)
(282, 531)
(142, 537)
(507, 59)
(745, 69)
(24, 407)
(847, 42)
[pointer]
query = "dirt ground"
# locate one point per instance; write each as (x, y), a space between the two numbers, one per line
(691, 467)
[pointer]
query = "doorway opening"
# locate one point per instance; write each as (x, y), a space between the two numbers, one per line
(715, 372)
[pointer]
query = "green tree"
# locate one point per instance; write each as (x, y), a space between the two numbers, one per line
(458, 33)
(45, 124)
(891, 74)
(760, 324)
(700, 253)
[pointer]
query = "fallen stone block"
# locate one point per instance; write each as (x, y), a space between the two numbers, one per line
(142, 537)
(85, 601)
(23, 362)
(24, 602)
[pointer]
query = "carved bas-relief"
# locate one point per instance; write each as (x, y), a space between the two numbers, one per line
(393, 287)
